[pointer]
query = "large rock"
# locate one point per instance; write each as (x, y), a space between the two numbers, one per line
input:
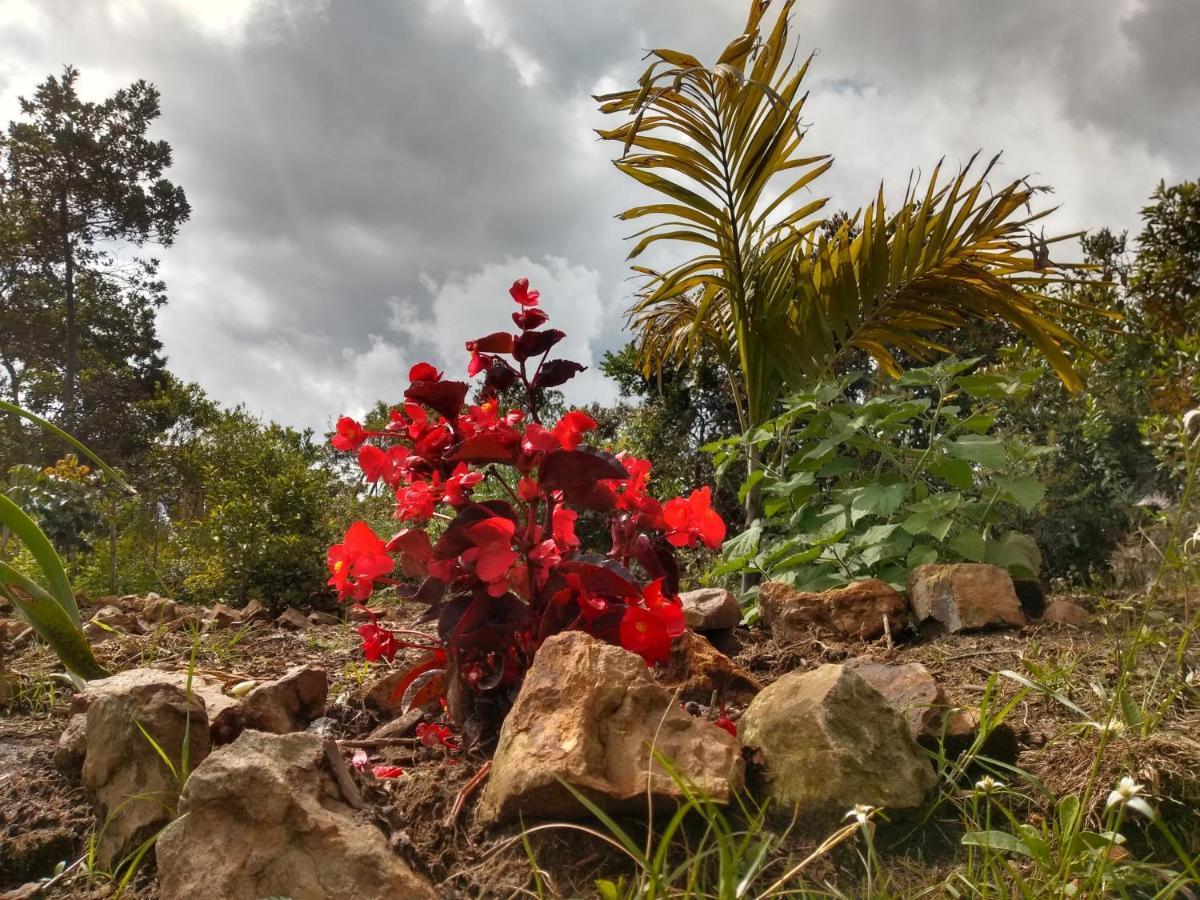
(73, 742)
(964, 596)
(587, 713)
(911, 690)
(132, 790)
(857, 610)
(277, 816)
(699, 671)
(223, 616)
(289, 703)
(829, 741)
(710, 609)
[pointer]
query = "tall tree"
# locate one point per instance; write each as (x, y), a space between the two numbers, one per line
(83, 178)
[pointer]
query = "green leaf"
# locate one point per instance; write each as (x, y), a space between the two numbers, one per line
(996, 840)
(922, 554)
(987, 452)
(44, 554)
(744, 544)
(1015, 552)
(970, 545)
(955, 471)
(1024, 490)
(876, 498)
(51, 622)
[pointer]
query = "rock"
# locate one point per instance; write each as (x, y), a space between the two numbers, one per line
(150, 608)
(131, 788)
(323, 618)
(1066, 612)
(829, 740)
(587, 713)
(73, 742)
(291, 619)
(379, 694)
(960, 733)
(114, 618)
(710, 609)
(270, 816)
(223, 616)
(854, 611)
(964, 596)
(358, 613)
(1031, 594)
(254, 611)
(697, 670)
(910, 689)
(10, 628)
(289, 703)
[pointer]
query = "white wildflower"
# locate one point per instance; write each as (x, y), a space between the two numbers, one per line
(861, 812)
(988, 785)
(1128, 794)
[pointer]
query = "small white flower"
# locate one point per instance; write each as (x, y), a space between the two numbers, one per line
(1070, 889)
(1112, 726)
(861, 812)
(1127, 794)
(1192, 678)
(988, 785)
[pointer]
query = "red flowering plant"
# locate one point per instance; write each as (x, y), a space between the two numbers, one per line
(506, 573)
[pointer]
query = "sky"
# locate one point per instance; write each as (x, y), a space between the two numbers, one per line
(367, 177)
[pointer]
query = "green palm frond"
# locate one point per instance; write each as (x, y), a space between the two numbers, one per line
(759, 287)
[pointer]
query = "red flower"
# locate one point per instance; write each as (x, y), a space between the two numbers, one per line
(418, 500)
(357, 562)
(538, 439)
(726, 724)
(387, 771)
(571, 428)
(460, 484)
(424, 372)
(350, 435)
(668, 609)
(522, 294)
(693, 519)
(643, 633)
(492, 554)
(433, 735)
(373, 461)
(590, 605)
(563, 525)
(545, 556)
(479, 362)
(377, 642)
(527, 488)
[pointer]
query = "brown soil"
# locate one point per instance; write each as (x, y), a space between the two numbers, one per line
(45, 820)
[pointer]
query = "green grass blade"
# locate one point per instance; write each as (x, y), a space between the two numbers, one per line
(28, 533)
(51, 622)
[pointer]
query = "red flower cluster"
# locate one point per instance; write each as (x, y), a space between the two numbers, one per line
(509, 570)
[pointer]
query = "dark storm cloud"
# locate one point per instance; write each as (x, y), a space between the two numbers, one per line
(367, 176)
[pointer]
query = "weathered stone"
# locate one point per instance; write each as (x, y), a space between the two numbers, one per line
(133, 791)
(710, 609)
(73, 742)
(587, 713)
(911, 690)
(291, 619)
(223, 616)
(698, 670)
(1066, 612)
(964, 596)
(319, 617)
(115, 619)
(254, 611)
(150, 608)
(857, 610)
(379, 694)
(397, 727)
(288, 703)
(829, 741)
(269, 816)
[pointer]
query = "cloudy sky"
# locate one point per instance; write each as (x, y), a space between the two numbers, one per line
(367, 176)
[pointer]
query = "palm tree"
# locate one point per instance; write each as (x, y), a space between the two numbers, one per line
(768, 292)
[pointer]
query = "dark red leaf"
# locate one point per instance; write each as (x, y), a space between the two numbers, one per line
(535, 343)
(595, 495)
(555, 372)
(496, 342)
(576, 470)
(532, 317)
(500, 377)
(485, 448)
(414, 548)
(601, 575)
(658, 559)
(445, 397)
(428, 663)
